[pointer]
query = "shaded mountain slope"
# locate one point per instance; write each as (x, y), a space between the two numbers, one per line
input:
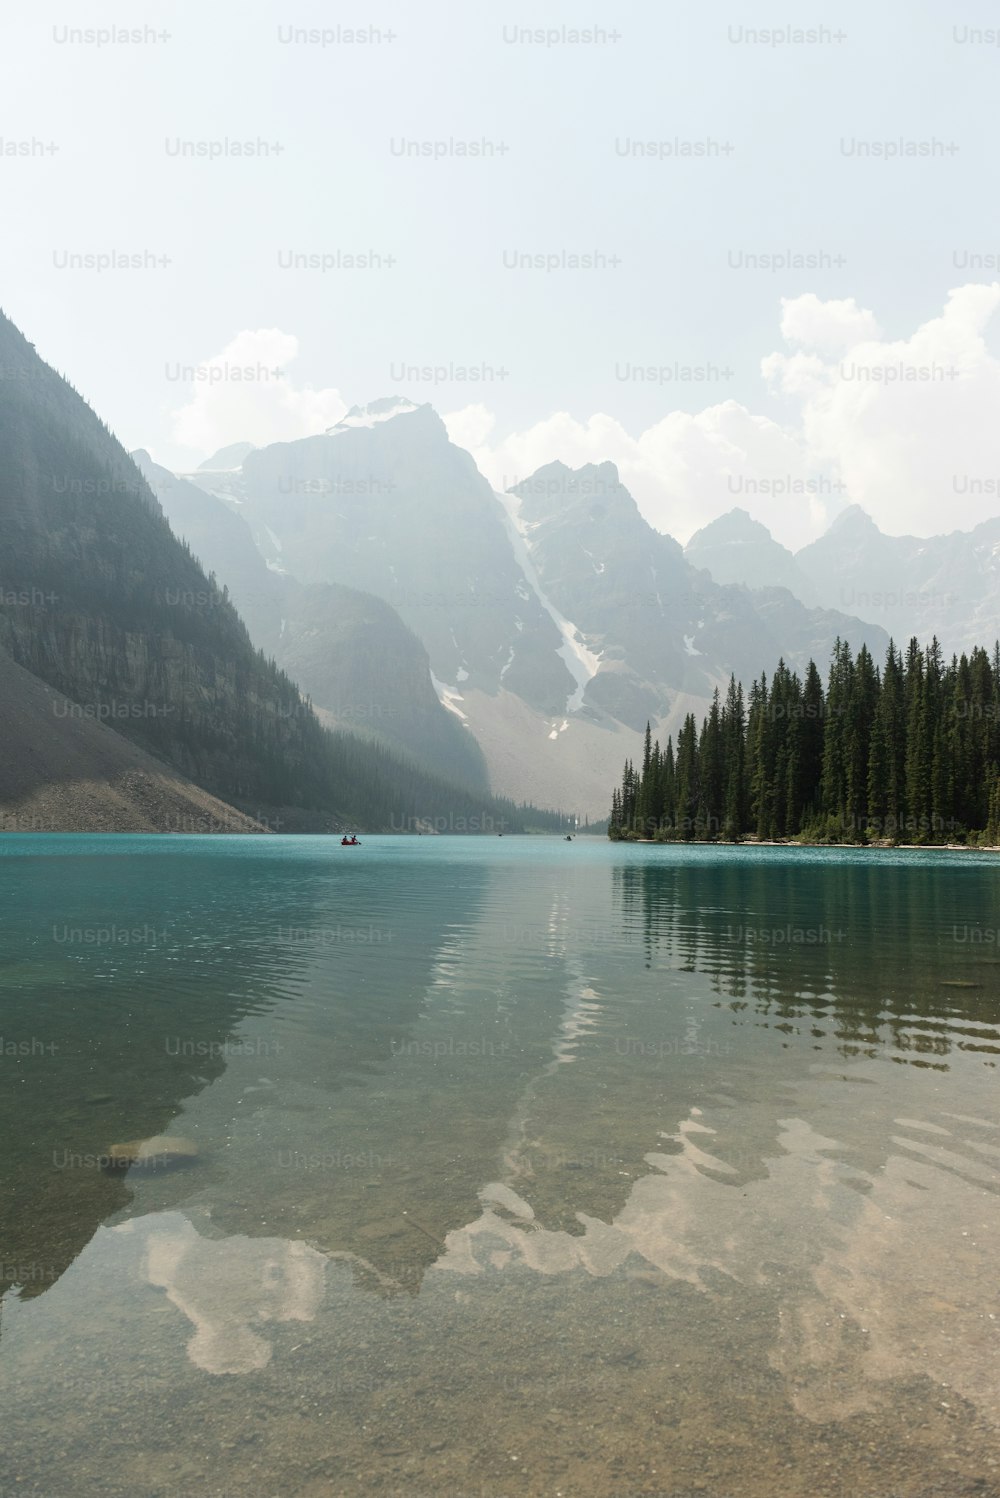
(347, 650)
(63, 770)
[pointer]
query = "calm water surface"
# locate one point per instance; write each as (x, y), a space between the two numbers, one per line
(524, 1167)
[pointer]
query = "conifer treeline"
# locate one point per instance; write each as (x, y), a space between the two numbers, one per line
(909, 753)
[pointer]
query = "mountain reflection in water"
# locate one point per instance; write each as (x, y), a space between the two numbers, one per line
(630, 1130)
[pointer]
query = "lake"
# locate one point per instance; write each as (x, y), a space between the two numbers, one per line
(523, 1167)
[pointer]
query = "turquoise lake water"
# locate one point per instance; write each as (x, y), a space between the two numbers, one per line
(523, 1167)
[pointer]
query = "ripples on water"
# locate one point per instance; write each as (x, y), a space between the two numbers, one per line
(523, 1167)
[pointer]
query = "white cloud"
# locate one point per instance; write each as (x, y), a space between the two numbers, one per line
(471, 427)
(902, 427)
(909, 423)
(829, 327)
(245, 393)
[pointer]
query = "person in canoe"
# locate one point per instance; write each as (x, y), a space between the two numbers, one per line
(350, 842)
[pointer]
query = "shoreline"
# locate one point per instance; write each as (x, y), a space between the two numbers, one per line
(798, 842)
(651, 842)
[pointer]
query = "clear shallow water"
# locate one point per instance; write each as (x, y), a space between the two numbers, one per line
(524, 1167)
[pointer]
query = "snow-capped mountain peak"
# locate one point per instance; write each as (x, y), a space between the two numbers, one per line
(373, 414)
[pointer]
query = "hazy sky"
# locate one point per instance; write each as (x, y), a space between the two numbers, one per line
(796, 364)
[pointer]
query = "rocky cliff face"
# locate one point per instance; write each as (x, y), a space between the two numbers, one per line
(737, 550)
(658, 625)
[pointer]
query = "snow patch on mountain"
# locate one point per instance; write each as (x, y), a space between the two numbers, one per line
(227, 485)
(583, 664)
(371, 415)
(449, 697)
(226, 495)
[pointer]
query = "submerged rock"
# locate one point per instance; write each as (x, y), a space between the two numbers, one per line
(152, 1154)
(500, 1195)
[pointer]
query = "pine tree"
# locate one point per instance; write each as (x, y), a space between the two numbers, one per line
(939, 814)
(859, 722)
(668, 775)
(687, 780)
(734, 753)
(813, 716)
(710, 773)
(834, 783)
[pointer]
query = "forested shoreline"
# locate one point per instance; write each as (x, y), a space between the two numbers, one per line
(905, 753)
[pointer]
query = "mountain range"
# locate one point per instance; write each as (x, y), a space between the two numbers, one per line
(355, 628)
(555, 620)
(946, 586)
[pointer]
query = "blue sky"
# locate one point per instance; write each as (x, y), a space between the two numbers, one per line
(565, 115)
